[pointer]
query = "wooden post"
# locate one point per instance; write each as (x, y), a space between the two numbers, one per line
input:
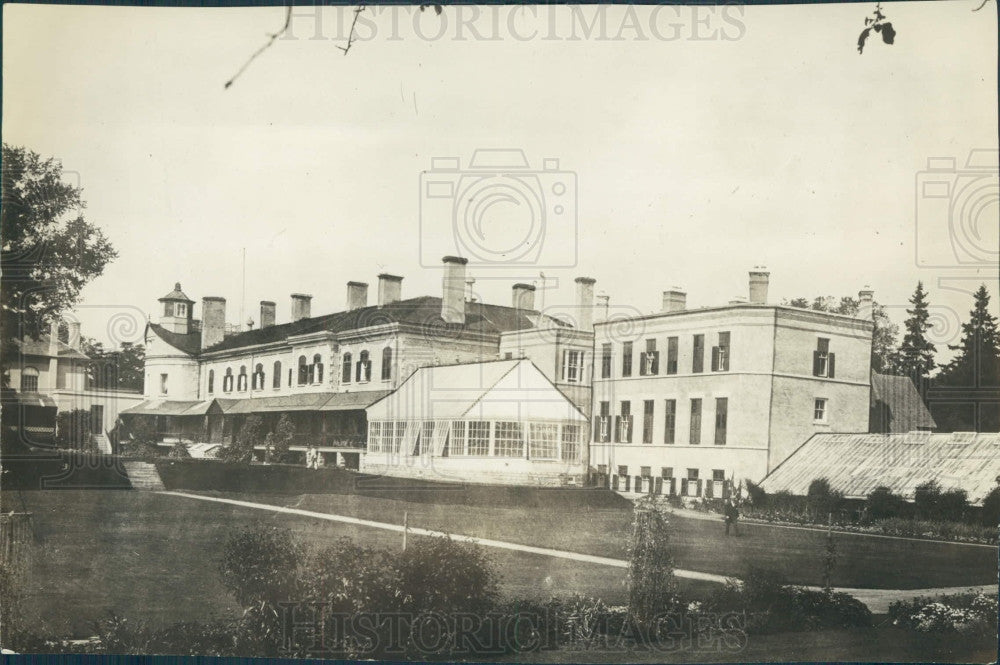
(406, 527)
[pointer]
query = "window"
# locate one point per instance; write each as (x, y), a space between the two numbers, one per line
(602, 423)
(623, 426)
(698, 360)
(258, 377)
(649, 360)
(29, 380)
(168, 309)
(374, 437)
(627, 359)
(721, 420)
(303, 371)
(570, 451)
(345, 369)
(386, 364)
(670, 420)
(695, 437)
(364, 368)
(227, 380)
(276, 381)
(182, 309)
(720, 354)
(397, 440)
(241, 380)
(572, 366)
(290, 373)
(819, 410)
(211, 381)
(718, 475)
(646, 471)
(509, 439)
(605, 361)
(316, 370)
(823, 360)
(427, 437)
(479, 438)
(456, 445)
(667, 472)
(671, 355)
(163, 384)
(647, 421)
(692, 486)
(543, 440)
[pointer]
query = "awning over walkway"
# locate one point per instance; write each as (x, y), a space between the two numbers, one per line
(355, 401)
(164, 407)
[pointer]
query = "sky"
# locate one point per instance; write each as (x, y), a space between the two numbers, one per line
(692, 145)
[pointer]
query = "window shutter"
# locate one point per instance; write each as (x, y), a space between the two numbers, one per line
(597, 429)
(658, 486)
(830, 372)
(628, 429)
(715, 359)
(618, 429)
(684, 487)
(815, 363)
(628, 483)
(698, 491)
(656, 362)
(561, 365)
(709, 491)
(642, 364)
(614, 482)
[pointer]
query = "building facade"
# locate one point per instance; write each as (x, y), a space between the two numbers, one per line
(695, 401)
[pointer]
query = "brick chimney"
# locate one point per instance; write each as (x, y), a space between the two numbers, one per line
(866, 298)
(357, 295)
(213, 321)
(301, 306)
(759, 278)
(585, 302)
(674, 300)
(523, 296)
(267, 316)
(453, 289)
(603, 306)
(390, 289)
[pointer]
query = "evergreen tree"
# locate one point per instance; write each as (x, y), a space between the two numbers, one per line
(976, 366)
(915, 357)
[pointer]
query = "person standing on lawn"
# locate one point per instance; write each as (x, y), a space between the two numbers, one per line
(731, 515)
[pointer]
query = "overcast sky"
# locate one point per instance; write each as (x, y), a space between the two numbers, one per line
(701, 146)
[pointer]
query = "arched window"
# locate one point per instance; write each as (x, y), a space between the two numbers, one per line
(227, 380)
(276, 381)
(364, 372)
(241, 380)
(386, 363)
(303, 371)
(29, 380)
(345, 373)
(258, 377)
(317, 369)
(211, 381)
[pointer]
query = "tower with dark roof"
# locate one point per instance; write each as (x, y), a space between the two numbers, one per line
(175, 315)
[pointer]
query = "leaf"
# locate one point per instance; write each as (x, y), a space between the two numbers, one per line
(888, 33)
(862, 39)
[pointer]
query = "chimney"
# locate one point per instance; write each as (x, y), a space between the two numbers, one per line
(390, 289)
(213, 321)
(603, 305)
(759, 278)
(865, 304)
(585, 302)
(674, 300)
(453, 289)
(523, 296)
(357, 295)
(470, 289)
(267, 317)
(249, 323)
(74, 335)
(301, 306)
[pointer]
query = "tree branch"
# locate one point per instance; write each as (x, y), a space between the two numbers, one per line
(350, 36)
(267, 45)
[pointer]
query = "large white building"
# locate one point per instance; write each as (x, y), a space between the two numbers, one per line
(691, 401)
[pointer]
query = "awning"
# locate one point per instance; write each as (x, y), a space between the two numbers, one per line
(353, 401)
(303, 402)
(163, 407)
(33, 399)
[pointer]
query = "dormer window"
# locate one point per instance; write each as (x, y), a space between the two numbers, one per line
(181, 309)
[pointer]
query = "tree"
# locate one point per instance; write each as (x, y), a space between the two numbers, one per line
(123, 369)
(975, 367)
(652, 586)
(49, 250)
(884, 333)
(915, 357)
(73, 430)
(251, 435)
(278, 442)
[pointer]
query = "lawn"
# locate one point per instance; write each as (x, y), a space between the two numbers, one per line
(701, 545)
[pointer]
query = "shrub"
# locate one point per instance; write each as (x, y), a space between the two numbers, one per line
(821, 499)
(179, 451)
(278, 442)
(73, 430)
(881, 503)
(990, 514)
(442, 575)
(953, 505)
(757, 494)
(260, 564)
(926, 499)
(968, 613)
(251, 435)
(652, 587)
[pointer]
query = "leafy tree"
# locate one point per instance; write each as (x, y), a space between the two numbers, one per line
(652, 586)
(278, 442)
(123, 369)
(884, 333)
(822, 499)
(915, 357)
(251, 435)
(990, 515)
(881, 503)
(927, 499)
(73, 430)
(49, 250)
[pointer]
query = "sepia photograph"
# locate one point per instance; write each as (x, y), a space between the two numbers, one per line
(526, 333)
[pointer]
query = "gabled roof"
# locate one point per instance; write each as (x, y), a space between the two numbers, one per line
(856, 464)
(896, 405)
(189, 343)
(425, 310)
(514, 390)
(41, 347)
